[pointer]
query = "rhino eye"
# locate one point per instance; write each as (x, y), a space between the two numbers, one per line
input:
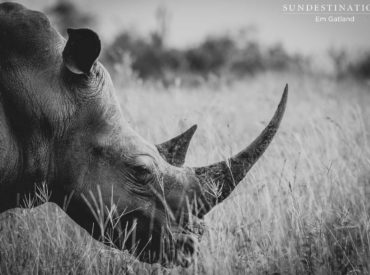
(143, 169)
(143, 174)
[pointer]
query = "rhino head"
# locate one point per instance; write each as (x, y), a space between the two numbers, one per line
(61, 124)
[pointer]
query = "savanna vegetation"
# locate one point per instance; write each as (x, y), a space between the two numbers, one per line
(303, 208)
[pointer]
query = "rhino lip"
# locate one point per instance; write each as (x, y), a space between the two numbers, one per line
(187, 240)
(185, 247)
(177, 251)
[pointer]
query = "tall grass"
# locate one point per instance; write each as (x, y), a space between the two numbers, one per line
(302, 209)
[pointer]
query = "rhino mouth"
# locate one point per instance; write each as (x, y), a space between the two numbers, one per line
(176, 244)
(176, 248)
(186, 243)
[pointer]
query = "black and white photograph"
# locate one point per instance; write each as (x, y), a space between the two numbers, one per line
(184, 137)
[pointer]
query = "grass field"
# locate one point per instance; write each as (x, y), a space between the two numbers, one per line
(302, 209)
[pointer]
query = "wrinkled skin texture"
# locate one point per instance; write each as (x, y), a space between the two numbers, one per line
(61, 125)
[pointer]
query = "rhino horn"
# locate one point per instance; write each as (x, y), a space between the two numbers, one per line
(174, 150)
(219, 180)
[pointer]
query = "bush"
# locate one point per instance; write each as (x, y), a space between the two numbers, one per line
(361, 68)
(213, 57)
(346, 64)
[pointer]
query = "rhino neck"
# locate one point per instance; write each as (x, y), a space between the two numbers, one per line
(9, 156)
(24, 161)
(24, 171)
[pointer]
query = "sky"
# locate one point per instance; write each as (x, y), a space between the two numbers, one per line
(193, 20)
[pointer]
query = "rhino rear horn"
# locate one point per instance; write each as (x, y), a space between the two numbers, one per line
(81, 51)
(174, 150)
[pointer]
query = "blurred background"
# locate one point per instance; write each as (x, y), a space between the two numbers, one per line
(188, 42)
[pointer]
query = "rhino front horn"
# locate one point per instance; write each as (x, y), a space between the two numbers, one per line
(225, 175)
(174, 150)
(81, 51)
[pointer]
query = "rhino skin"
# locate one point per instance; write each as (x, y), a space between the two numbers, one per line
(60, 124)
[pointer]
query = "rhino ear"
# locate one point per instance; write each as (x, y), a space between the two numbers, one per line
(174, 150)
(81, 51)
